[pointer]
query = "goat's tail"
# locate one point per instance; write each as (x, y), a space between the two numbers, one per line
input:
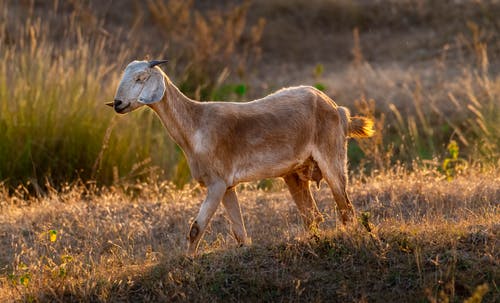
(356, 127)
(361, 127)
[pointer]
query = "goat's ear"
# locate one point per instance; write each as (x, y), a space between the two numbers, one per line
(153, 90)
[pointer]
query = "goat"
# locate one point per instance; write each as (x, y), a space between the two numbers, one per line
(297, 133)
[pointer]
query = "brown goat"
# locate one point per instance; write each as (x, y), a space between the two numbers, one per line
(297, 133)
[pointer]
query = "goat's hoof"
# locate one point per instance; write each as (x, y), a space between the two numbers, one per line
(191, 253)
(246, 243)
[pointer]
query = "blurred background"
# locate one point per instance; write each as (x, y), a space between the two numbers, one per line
(427, 71)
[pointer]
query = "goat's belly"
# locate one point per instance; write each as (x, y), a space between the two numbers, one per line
(254, 175)
(264, 168)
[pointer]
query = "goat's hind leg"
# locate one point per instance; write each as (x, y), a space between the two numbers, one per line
(335, 174)
(338, 187)
(232, 206)
(301, 194)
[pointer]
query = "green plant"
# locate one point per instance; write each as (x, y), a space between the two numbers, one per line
(453, 165)
(52, 235)
(317, 74)
(265, 184)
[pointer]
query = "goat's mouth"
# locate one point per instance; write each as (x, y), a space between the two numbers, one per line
(121, 110)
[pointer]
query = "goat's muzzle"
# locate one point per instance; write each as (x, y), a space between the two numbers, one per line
(115, 103)
(120, 106)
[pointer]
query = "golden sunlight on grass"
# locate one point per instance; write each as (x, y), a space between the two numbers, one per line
(430, 238)
(86, 213)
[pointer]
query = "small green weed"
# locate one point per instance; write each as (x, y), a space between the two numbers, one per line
(318, 71)
(453, 165)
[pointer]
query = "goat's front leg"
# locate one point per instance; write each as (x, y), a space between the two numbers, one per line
(230, 202)
(208, 207)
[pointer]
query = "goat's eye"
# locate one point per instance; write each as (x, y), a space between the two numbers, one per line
(141, 78)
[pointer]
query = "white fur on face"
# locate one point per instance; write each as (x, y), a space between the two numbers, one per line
(132, 84)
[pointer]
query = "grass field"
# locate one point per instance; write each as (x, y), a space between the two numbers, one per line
(431, 240)
(95, 206)
(65, 59)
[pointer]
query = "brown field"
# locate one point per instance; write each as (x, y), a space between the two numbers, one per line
(430, 240)
(96, 207)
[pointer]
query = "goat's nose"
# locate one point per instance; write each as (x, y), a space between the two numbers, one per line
(118, 102)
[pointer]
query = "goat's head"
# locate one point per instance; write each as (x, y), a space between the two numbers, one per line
(142, 83)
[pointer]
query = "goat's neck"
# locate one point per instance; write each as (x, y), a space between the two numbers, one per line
(178, 114)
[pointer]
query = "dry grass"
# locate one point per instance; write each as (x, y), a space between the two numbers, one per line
(427, 70)
(442, 86)
(61, 64)
(430, 239)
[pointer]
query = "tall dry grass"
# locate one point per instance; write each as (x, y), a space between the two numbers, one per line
(429, 239)
(419, 112)
(208, 46)
(55, 79)
(427, 71)
(54, 128)
(54, 125)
